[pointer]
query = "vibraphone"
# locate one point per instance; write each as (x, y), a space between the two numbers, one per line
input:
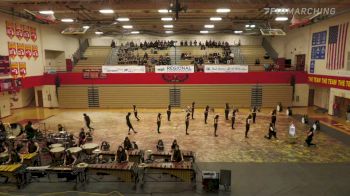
(30, 159)
(188, 155)
(182, 170)
(134, 155)
(124, 171)
(12, 172)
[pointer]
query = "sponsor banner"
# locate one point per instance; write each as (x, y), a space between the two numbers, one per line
(10, 29)
(28, 50)
(123, 69)
(33, 35)
(226, 68)
(330, 81)
(12, 46)
(19, 31)
(20, 50)
(26, 32)
(174, 69)
(35, 52)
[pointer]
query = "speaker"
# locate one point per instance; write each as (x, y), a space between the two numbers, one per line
(210, 180)
(225, 177)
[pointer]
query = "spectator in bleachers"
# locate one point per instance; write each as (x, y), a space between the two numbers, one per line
(113, 44)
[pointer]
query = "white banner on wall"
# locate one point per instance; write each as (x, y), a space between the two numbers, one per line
(226, 68)
(174, 69)
(123, 69)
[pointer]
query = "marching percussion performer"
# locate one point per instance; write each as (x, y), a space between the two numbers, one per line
(173, 145)
(168, 112)
(192, 108)
(127, 144)
(160, 145)
(273, 117)
(82, 137)
(247, 125)
(14, 156)
(135, 113)
(3, 147)
(32, 146)
(128, 123)
(216, 119)
(60, 128)
(177, 156)
(310, 136)
(272, 132)
(70, 159)
(227, 111)
(29, 130)
(254, 113)
(122, 155)
(206, 112)
(88, 122)
(159, 119)
(233, 118)
(187, 122)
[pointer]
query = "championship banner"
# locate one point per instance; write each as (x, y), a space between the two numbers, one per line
(226, 68)
(12, 46)
(26, 32)
(330, 81)
(35, 52)
(28, 50)
(20, 50)
(33, 35)
(10, 29)
(14, 69)
(22, 69)
(174, 69)
(19, 31)
(124, 69)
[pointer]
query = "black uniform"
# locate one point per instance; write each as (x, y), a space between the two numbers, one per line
(192, 109)
(32, 147)
(177, 156)
(309, 138)
(168, 112)
(129, 123)
(254, 114)
(273, 118)
(247, 126)
(135, 113)
(233, 119)
(127, 145)
(187, 123)
(121, 156)
(272, 132)
(215, 126)
(206, 112)
(227, 111)
(88, 122)
(158, 123)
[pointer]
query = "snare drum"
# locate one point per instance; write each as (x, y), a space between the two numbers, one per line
(74, 150)
(89, 148)
(55, 145)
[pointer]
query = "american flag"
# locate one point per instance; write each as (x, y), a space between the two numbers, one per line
(336, 46)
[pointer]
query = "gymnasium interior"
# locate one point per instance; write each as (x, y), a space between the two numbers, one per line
(174, 97)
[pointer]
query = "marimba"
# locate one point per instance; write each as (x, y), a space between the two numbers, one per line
(30, 159)
(12, 172)
(188, 155)
(126, 172)
(134, 155)
(182, 170)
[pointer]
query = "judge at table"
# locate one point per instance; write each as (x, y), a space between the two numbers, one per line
(177, 156)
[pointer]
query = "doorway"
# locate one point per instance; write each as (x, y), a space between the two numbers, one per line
(300, 65)
(311, 97)
(343, 104)
(39, 95)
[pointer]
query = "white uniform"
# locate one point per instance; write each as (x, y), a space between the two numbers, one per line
(292, 131)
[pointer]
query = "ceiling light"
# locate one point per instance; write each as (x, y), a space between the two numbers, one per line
(209, 26)
(86, 27)
(247, 25)
(135, 32)
(47, 12)
(223, 10)
(106, 11)
(238, 32)
(163, 11)
(123, 19)
(167, 19)
(98, 32)
(168, 26)
(215, 18)
(67, 20)
(168, 32)
(281, 18)
(127, 26)
(252, 26)
(204, 31)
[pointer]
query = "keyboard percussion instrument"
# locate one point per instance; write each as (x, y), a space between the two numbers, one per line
(126, 172)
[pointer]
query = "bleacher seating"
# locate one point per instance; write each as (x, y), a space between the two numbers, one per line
(251, 53)
(93, 56)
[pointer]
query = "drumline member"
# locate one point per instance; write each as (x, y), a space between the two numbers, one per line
(173, 145)
(29, 130)
(135, 113)
(82, 137)
(159, 119)
(247, 125)
(127, 144)
(3, 147)
(279, 107)
(122, 155)
(233, 119)
(32, 147)
(60, 128)
(70, 159)
(227, 111)
(216, 119)
(309, 138)
(272, 132)
(128, 123)
(192, 108)
(206, 112)
(273, 117)
(14, 156)
(187, 122)
(160, 145)
(168, 112)
(177, 156)
(87, 122)
(254, 113)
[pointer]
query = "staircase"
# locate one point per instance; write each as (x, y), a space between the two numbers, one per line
(238, 58)
(256, 98)
(174, 95)
(93, 97)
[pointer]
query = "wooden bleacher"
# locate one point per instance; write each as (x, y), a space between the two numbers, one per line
(272, 94)
(94, 56)
(252, 52)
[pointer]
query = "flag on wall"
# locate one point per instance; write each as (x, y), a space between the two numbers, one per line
(19, 31)
(10, 29)
(28, 51)
(26, 32)
(336, 46)
(20, 50)
(12, 46)
(33, 34)
(35, 51)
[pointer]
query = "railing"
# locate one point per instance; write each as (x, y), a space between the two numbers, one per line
(54, 69)
(269, 49)
(79, 53)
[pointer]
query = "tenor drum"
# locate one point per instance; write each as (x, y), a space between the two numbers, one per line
(57, 152)
(89, 148)
(74, 150)
(55, 145)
